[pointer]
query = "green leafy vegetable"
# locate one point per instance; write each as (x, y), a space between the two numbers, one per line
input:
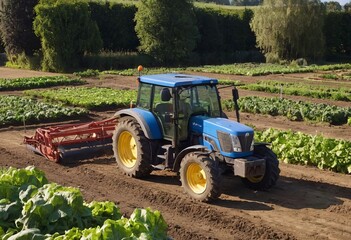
(87, 73)
(299, 148)
(16, 110)
(90, 98)
(36, 82)
(302, 89)
(31, 208)
(293, 110)
(252, 69)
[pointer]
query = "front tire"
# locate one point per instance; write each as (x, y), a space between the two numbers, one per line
(272, 171)
(131, 148)
(200, 177)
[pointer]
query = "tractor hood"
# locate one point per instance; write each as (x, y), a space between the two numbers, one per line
(210, 126)
(230, 138)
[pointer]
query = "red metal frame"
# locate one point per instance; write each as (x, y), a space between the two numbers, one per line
(46, 141)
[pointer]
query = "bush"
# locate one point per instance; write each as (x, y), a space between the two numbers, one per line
(116, 25)
(24, 61)
(166, 29)
(67, 32)
(116, 60)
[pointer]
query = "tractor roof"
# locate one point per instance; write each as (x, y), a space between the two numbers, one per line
(176, 80)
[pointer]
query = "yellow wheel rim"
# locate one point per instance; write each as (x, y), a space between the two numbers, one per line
(196, 178)
(127, 149)
(255, 179)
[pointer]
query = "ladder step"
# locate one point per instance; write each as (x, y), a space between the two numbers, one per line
(166, 147)
(159, 166)
(162, 156)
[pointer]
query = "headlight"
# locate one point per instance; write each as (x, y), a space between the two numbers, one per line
(236, 144)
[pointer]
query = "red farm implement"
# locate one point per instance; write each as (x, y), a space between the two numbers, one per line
(72, 140)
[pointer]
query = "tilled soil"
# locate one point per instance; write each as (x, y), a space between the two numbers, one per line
(306, 203)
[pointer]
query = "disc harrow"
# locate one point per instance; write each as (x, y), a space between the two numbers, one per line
(72, 140)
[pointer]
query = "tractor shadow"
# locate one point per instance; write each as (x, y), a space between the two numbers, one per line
(164, 177)
(289, 193)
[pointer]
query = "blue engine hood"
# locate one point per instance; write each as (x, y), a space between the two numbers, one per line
(210, 126)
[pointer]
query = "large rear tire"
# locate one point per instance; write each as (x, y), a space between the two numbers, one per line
(272, 171)
(200, 177)
(131, 148)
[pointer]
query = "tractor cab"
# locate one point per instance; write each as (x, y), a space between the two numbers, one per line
(175, 98)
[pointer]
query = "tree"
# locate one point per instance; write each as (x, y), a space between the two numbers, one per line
(166, 29)
(16, 26)
(289, 29)
(333, 6)
(347, 7)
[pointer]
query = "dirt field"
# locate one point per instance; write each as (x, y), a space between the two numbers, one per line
(307, 203)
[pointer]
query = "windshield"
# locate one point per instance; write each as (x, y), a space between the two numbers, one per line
(202, 99)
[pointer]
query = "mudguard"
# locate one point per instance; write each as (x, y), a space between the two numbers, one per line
(195, 148)
(146, 119)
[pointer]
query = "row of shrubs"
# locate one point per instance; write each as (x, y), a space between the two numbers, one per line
(89, 26)
(224, 34)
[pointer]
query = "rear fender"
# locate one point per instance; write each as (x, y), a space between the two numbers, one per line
(181, 155)
(146, 119)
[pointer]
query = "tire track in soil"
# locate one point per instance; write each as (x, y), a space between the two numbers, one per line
(203, 217)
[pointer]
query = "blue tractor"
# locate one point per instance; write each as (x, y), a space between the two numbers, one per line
(178, 124)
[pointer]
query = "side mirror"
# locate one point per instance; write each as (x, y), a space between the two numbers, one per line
(235, 100)
(165, 95)
(235, 94)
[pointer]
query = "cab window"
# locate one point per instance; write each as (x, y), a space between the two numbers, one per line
(144, 97)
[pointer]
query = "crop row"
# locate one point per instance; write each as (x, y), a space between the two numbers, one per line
(36, 82)
(252, 69)
(300, 89)
(134, 72)
(249, 69)
(32, 208)
(300, 148)
(17, 110)
(293, 110)
(90, 98)
(333, 76)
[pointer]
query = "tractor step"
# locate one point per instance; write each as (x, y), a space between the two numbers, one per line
(162, 156)
(159, 166)
(72, 140)
(166, 157)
